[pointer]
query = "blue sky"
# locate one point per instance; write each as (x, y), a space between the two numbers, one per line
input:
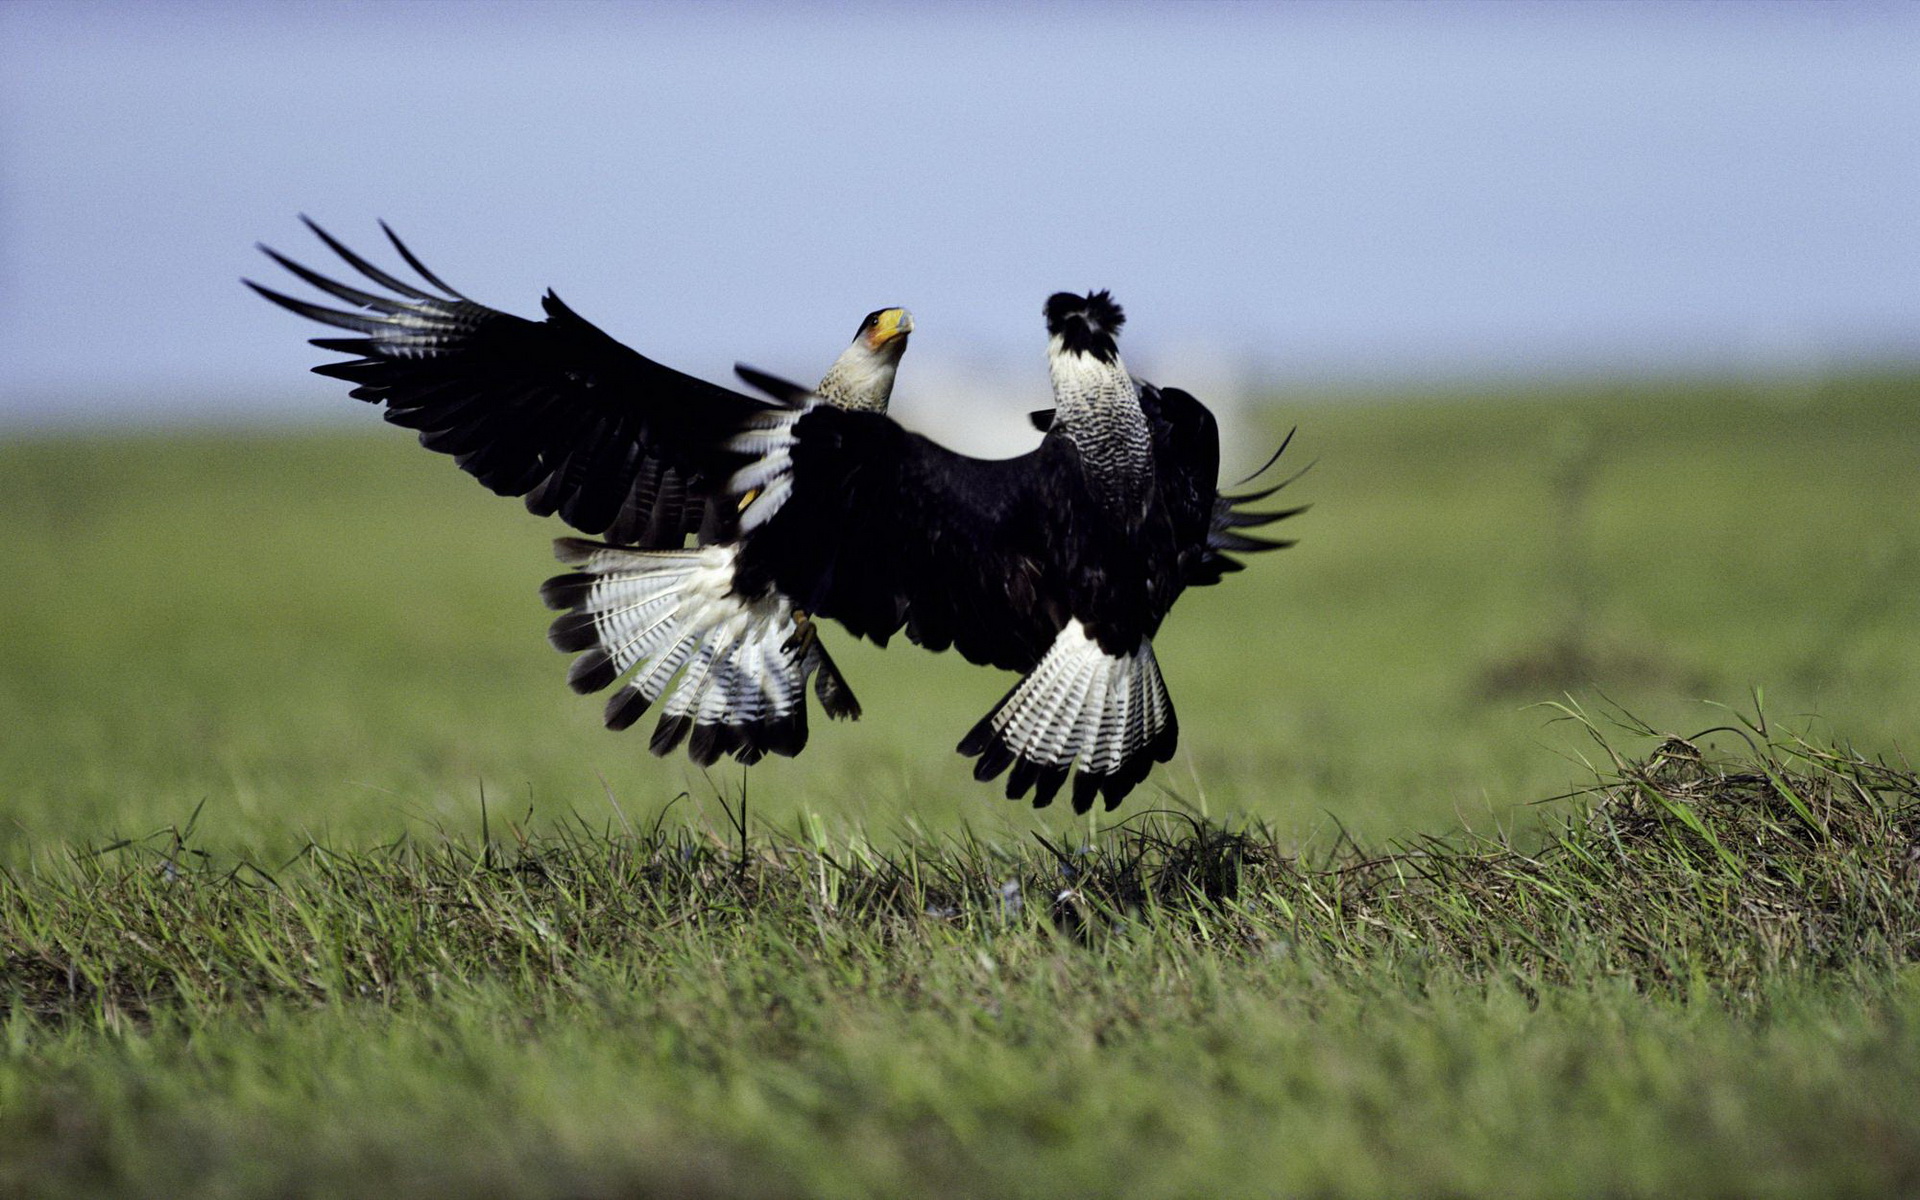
(1309, 194)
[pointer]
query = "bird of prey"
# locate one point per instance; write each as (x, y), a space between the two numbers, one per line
(580, 425)
(1059, 564)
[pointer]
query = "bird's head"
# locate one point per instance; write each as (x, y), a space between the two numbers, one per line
(1085, 324)
(885, 330)
(862, 377)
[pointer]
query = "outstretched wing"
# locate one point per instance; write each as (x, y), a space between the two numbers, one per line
(1186, 451)
(553, 410)
(854, 518)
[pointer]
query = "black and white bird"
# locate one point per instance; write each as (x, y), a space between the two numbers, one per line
(1060, 564)
(582, 426)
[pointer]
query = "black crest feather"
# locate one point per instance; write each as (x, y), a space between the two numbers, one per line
(1086, 324)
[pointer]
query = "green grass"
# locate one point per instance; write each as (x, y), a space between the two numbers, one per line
(252, 940)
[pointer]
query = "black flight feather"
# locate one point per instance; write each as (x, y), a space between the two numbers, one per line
(553, 410)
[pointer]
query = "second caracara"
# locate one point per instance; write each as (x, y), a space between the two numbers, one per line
(1059, 564)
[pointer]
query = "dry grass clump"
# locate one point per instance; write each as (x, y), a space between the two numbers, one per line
(1681, 869)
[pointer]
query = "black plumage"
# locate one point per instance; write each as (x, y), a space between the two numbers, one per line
(887, 529)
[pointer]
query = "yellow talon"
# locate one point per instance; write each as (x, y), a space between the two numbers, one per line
(748, 497)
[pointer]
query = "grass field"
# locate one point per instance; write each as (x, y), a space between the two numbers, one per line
(318, 881)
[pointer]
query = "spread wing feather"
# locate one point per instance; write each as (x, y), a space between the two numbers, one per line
(1206, 521)
(882, 529)
(553, 410)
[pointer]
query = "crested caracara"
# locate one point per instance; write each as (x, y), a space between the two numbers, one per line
(580, 425)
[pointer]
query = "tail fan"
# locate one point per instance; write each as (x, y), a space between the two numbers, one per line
(1081, 707)
(733, 670)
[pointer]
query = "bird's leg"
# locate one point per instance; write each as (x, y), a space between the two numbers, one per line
(805, 634)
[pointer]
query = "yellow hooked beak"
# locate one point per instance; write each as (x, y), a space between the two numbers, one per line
(892, 323)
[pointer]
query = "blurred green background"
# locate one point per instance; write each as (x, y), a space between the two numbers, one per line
(336, 635)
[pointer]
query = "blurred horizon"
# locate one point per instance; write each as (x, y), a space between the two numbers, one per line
(1300, 197)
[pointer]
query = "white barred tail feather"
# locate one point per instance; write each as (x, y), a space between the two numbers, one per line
(1081, 707)
(734, 670)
